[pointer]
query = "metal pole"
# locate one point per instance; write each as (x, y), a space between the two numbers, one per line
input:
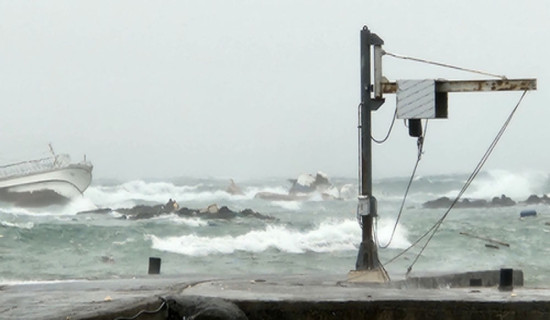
(367, 258)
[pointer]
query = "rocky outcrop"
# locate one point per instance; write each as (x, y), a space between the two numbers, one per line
(502, 201)
(534, 199)
(211, 212)
(445, 202)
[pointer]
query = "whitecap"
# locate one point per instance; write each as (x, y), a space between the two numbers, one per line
(19, 225)
(288, 205)
(329, 236)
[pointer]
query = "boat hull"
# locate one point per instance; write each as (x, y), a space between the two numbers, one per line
(53, 186)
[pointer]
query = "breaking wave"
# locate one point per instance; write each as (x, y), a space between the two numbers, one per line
(329, 236)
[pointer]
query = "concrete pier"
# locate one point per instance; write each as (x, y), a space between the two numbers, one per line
(279, 297)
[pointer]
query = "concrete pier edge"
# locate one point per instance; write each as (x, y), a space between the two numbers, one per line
(282, 297)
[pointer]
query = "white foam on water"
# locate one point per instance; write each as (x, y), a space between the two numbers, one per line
(329, 236)
(384, 231)
(117, 195)
(175, 219)
(19, 225)
(288, 205)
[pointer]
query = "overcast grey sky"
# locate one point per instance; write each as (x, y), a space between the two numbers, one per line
(261, 88)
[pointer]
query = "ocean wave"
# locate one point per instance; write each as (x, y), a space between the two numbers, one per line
(136, 192)
(384, 231)
(494, 183)
(137, 189)
(288, 205)
(329, 236)
(175, 219)
(18, 225)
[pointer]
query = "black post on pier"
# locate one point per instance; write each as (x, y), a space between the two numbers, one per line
(367, 258)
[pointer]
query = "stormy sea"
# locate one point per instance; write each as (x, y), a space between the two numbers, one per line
(254, 227)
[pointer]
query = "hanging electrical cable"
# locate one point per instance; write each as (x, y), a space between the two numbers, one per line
(420, 145)
(433, 230)
(389, 130)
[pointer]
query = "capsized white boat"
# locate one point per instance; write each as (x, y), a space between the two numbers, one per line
(46, 181)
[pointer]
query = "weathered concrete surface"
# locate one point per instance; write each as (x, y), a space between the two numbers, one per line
(271, 297)
(82, 299)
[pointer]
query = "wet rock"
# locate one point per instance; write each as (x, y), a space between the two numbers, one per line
(211, 209)
(534, 199)
(445, 202)
(503, 201)
(437, 203)
(254, 214)
(142, 211)
(211, 212)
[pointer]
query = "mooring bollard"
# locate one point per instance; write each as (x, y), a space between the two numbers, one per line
(506, 280)
(154, 265)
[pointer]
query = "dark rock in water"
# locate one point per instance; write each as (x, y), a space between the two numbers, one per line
(142, 211)
(438, 203)
(254, 214)
(197, 307)
(534, 199)
(444, 202)
(503, 201)
(211, 212)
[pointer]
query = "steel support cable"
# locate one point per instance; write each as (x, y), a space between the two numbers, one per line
(389, 130)
(420, 144)
(398, 56)
(470, 179)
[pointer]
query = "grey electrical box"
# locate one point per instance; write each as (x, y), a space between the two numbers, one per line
(418, 99)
